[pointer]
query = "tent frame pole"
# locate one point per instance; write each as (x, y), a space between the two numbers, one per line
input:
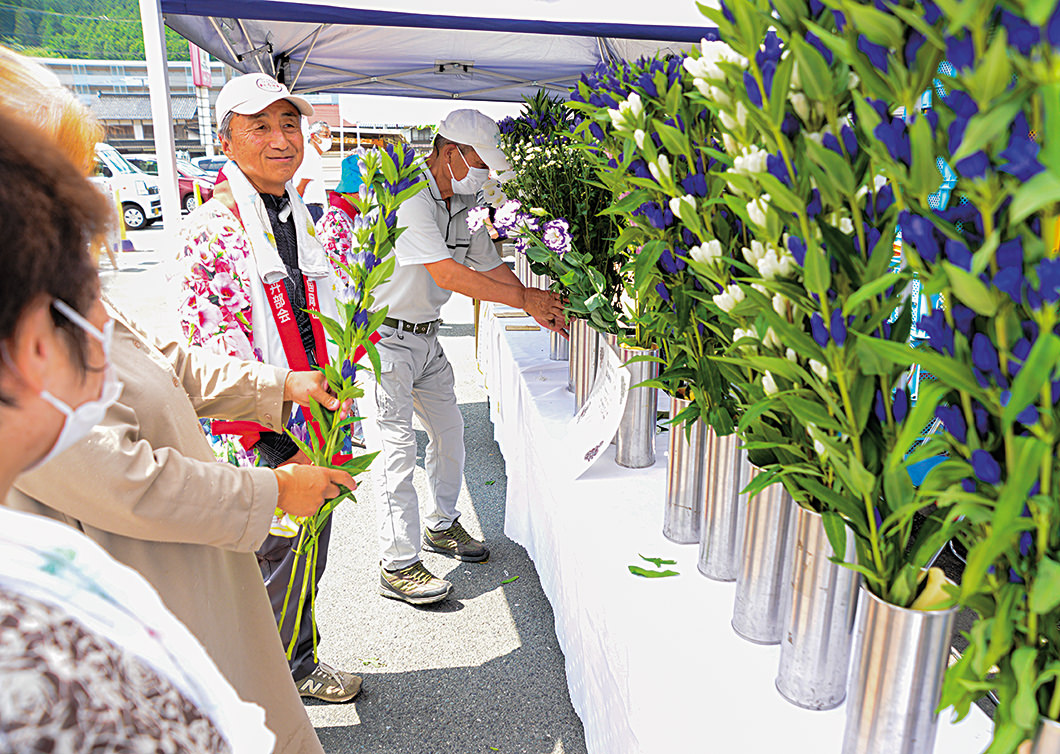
(161, 109)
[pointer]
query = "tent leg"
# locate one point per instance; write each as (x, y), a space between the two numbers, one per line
(161, 112)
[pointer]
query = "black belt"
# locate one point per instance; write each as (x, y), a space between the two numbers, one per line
(417, 328)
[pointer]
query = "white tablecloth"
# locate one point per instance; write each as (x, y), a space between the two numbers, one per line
(653, 665)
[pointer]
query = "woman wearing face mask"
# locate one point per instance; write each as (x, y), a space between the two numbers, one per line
(90, 660)
(143, 482)
(309, 180)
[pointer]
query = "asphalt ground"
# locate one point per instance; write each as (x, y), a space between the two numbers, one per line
(480, 672)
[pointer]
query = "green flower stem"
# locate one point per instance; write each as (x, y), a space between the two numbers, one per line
(313, 598)
(298, 555)
(290, 584)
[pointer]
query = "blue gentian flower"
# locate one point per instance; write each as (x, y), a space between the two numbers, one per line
(895, 137)
(816, 6)
(958, 254)
(819, 330)
(596, 131)
(932, 13)
(840, 20)
(1052, 28)
(820, 46)
(884, 200)
(830, 141)
(349, 370)
(1026, 540)
(1049, 280)
(1014, 577)
(754, 93)
(982, 419)
(647, 83)
(813, 209)
(1010, 253)
(789, 126)
(877, 54)
(669, 263)
(974, 166)
(912, 47)
(960, 52)
(360, 319)
(985, 467)
(663, 291)
(880, 107)
(695, 184)
(639, 168)
(920, 232)
(953, 420)
(900, 404)
(968, 485)
(984, 355)
(850, 140)
(1028, 417)
(879, 408)
(797, 249)
(1021, 34)
(939, 333)
(1010, 280)
(1021, 155)
(838, 327)
(776, 167)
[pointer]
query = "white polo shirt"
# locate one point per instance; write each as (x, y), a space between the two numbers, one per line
(433, 232)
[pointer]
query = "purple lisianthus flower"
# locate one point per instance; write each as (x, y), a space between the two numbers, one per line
(1021, 34)
(819, 330)
(877, 54)
(797, 249)
(984, 355)
(920, 232)
(985, 467)
(838, 327)
(663, 291)
(556, 236)
(476, 217)
(974, 166)
(953, 420)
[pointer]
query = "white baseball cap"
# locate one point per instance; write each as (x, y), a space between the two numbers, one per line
(251, 93)
(478, 131)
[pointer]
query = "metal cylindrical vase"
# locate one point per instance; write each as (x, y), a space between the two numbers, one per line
(684, 481)
(558, 347)
(1047, 739)
(584, 343)
(819, 623)
(898, 668)
(758, 613)
(635, 441)
(720, 536)
(522, 267)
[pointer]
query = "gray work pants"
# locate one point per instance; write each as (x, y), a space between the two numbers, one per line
(415, 377)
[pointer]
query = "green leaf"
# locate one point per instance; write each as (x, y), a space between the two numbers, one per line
(881, 28)
(985, 127)
(1024, 706)
(507, 581)
(359, 464)
(657, 562)
(1045, 591)
(1037, 370)
(836, 530)
(869, 290)
(818, 275)
(813, 71)
(638, 571)
(1037, 193)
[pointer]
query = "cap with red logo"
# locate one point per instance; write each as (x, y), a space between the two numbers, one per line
(251, 93)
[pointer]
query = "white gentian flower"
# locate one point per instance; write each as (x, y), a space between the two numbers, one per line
(633, 105)
(846, 225)
(819, 369)
(730, 144)
(704, 87)
(741, 114)
(796, 82)
(660, 169)
(755, 252)
(768, 384)
(638, 137)
(729, 298)
(727, 120)
(791, 356)
(853, 80)
(801, 105)
(761, 289)
(781, 305)
(820, 448)
(770, 339)
(684, 207)
(707, 252)
(756, 210)
(719, 96)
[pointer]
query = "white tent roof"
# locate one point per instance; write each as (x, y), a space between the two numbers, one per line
(410, 48)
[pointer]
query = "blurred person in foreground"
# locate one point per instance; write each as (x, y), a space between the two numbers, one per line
(144, 484)
(309, 179)
(90, 659)
(252, 270)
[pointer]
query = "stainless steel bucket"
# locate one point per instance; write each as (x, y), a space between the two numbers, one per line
(758, 611)
(583, 354)
(522, 268)
(684, 487)
(558, 347)
(635, 441)
(897, 676)
(819, 623)
(720, 536)
(1047, 739)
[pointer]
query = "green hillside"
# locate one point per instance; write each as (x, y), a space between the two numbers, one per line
(107, 29)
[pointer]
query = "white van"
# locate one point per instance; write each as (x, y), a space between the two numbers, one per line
(140, 201)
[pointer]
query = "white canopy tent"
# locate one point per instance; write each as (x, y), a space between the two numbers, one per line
(410, 47)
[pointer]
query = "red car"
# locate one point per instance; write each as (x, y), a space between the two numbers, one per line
(187, 176)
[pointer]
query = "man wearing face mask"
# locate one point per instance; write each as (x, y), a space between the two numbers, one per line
(309, 180)
(436, 255)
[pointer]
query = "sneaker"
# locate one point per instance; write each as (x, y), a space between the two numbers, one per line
(455, 541)
(414, 584)
(329, 684)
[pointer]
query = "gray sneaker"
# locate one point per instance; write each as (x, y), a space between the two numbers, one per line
(456, 542)
(329, 684)
(414, 584)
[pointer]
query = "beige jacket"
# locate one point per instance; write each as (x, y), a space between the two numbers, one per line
(146, 487)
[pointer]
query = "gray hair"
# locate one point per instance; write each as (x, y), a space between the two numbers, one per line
(319, 127)
(224, 131)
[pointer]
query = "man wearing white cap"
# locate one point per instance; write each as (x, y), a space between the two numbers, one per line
(436, 255)
(252, 266)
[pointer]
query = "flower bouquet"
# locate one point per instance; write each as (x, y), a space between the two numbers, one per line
(390, 178)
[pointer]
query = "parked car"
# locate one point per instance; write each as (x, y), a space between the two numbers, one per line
(187, 176)
(141, 204)
(210, 164)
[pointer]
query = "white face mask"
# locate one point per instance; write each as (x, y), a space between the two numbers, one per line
(325, 143)
(471, 183)
(80, 421)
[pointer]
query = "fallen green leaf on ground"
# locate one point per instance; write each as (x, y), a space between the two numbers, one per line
(508, 581)
(638, 571)
(373, 662)
(658, 562)
(491, 482)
